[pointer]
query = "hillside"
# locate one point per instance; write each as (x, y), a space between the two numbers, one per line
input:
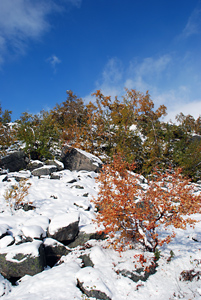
(90, 268)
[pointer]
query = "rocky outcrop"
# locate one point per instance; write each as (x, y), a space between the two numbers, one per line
(75, 159)
(14, 161)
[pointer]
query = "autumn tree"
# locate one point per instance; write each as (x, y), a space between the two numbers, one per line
(70, 116)
(131, 213)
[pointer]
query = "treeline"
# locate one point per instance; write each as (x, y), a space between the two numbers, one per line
(130, 126)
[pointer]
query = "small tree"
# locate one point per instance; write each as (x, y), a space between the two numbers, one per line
(131, 213)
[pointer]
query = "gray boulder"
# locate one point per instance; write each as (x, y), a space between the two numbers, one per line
(14, 161)
(19, 260)
(64, 227)
(45, 170)
(35, 164)
(54, 251)
(75, 159)
(66, 235)
(84, 237)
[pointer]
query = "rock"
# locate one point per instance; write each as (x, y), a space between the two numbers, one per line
(64, 227)
(14, 161)
(45, 170)
(76, 159)
(56, 163)
(55, 176)
(86, 261)
(35, 164)
(89, 281)
(19, 260)
(84, 237)
(21, 175)
(27, 207)
(54, 251)
(139, 274)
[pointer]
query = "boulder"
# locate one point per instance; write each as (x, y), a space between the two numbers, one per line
(84, 237)
(91, 283)
(14, 161)
(64, 227)
(45, 170)
(35, 164)
(19, 260)
(76, 159)
(54, 251)
(56, 163)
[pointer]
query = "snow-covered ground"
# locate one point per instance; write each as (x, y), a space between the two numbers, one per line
(54, 199)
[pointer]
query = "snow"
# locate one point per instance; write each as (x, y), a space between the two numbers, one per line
(95, 160)
(29, 248)
(63, 220)
(57, 204)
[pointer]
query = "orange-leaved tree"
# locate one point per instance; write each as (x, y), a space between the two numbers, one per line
(134, 213)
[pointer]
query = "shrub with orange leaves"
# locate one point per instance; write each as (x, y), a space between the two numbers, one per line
(132, 213)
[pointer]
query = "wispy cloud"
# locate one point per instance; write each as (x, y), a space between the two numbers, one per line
(54, 61)
(193, 25)
(161, 76)
(25, 20)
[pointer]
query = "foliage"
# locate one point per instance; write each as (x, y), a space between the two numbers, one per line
(137, 214)
(129, 125)
(39, 133)
(7, 132)
(15, 195)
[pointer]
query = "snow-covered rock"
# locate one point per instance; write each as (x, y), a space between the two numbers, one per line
(76, 159)
(64, 227)
(54, 251)
(19, 260)
(91, 283)
(45, 170)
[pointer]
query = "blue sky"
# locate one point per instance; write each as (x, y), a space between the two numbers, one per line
(50, 46)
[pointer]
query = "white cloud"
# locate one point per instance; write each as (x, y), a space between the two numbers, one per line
(110, 82)
(54, 61)
(193, 25)
(24, 20)
(166, 84)
(177, 101)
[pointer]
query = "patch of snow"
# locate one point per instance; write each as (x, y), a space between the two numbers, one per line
(34, 231)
